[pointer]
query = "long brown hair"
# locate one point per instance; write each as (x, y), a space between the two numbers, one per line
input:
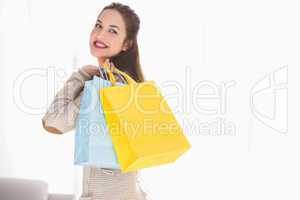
(128, 61)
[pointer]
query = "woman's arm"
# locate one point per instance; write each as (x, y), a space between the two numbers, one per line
(62, 112)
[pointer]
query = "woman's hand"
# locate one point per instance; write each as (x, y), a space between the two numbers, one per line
(91, 70)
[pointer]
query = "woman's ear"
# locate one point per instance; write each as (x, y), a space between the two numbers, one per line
(127, 45)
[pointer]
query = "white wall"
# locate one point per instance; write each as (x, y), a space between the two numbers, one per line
(240, 55)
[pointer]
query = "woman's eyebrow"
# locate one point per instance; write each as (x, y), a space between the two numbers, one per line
(113, 26)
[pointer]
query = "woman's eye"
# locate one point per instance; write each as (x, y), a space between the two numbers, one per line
(98, 26)
(113, 31)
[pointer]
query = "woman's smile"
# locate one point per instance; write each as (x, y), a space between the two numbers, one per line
(100, 44)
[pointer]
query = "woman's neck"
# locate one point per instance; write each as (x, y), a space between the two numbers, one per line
(103, 61)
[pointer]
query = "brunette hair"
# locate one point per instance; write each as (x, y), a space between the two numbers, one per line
(128, 61)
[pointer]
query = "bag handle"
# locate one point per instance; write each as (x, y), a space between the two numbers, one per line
(111, 77)
(109, 67)
(129, 80)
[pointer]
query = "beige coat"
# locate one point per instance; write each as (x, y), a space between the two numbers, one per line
(98, 183)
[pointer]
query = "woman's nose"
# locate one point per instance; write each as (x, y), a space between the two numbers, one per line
(100, 34)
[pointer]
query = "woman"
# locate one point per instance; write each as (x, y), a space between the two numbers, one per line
(113, 41)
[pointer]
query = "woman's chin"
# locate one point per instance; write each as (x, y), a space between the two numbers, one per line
(97, 54)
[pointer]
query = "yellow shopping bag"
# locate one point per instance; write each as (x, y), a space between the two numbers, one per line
(143, 129)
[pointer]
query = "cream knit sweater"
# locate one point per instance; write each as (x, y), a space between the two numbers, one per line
(98, 183)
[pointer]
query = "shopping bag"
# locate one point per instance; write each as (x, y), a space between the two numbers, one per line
(93, 143)
(144, 131)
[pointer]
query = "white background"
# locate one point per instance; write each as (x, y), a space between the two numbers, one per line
(242, 56)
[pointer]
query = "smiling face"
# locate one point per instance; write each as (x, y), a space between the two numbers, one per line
(108, 35)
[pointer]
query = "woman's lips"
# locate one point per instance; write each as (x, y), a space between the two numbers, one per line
(99, 44)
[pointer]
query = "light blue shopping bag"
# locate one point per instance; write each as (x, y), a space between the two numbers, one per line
(93, 143)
